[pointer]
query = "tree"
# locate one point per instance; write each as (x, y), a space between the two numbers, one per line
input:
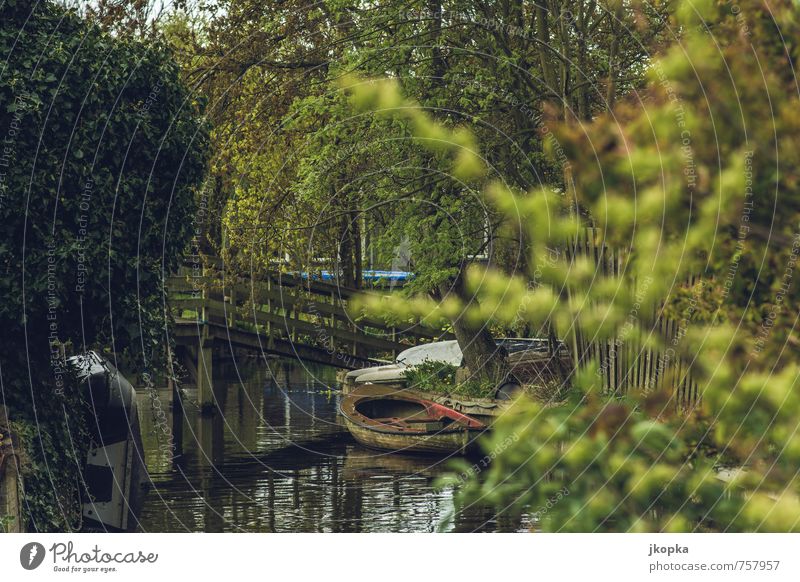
(491, 66)
(684, 179)
(104, 152)
(504, 69)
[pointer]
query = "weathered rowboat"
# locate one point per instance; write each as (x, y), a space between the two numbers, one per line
(384, 418)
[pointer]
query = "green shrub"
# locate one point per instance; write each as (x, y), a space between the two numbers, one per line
(440, 378)
(432, 376)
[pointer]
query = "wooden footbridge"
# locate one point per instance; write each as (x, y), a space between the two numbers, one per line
(277, 314)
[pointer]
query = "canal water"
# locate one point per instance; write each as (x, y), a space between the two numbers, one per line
(278, 460)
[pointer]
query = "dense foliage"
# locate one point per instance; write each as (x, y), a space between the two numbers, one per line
(302, 183)
(103, 151)
(505, 131)
(695, 181)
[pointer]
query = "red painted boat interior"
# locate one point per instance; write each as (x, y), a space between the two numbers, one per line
(413, 415)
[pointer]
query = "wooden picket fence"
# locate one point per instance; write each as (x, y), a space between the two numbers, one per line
(627, 366)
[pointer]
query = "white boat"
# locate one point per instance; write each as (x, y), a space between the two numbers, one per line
(444, 351)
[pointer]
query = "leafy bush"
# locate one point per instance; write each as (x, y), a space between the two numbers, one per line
(104, 151)
(440, 377)
(432, 376)
(693, 198)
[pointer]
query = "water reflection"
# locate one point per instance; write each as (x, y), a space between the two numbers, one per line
(277, 460)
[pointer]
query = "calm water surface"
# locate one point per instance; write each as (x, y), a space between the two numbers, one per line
(277, 460)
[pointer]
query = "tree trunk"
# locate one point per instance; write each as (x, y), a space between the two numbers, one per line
(346, 252)
(358, 250)
(486, 362)
(584, 106)
(611, 89)
(543, 36)
(437, 62)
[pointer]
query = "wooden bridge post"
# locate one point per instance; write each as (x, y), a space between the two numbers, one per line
(232, 310)
(292, 313)
(205, 387)
(270, 340)
(202, 313)
(205, 370)
(332, 339)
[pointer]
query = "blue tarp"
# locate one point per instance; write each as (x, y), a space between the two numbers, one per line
(369, 276)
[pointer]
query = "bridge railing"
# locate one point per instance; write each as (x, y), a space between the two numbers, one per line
(289, 308)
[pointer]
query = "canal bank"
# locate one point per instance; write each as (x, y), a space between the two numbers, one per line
(276, 459)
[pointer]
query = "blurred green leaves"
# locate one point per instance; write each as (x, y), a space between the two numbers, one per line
(667, 182)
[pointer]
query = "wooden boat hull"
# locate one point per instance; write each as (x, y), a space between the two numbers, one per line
(388, 419)
(459, 442)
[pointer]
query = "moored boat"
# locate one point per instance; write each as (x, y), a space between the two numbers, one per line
(530, 360)
(384, 418)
